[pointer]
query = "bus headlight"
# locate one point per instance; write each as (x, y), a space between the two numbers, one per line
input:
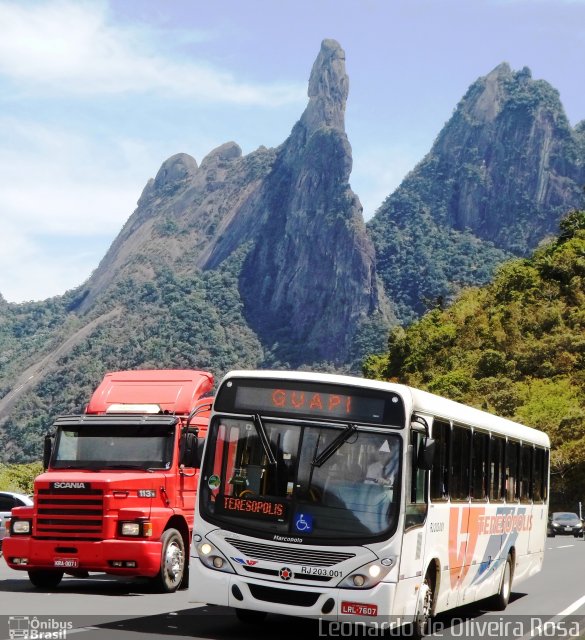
(368, 576)
(20, 527)
(212, 558)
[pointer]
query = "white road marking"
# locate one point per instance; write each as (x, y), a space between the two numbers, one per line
(565, 546)
(572, 607)
(550, 625)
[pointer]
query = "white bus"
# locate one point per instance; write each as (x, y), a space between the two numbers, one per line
(349, 499)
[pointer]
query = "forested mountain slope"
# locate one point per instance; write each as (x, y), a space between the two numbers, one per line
(515, 347)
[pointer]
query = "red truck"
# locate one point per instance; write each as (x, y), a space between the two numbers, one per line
(118, 493)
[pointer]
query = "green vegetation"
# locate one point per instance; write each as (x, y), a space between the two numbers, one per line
(19, 477)
(515, 347)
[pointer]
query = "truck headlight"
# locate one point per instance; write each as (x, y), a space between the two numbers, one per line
(20, 527)
(136, 528)
(213, 558)
(369, 575)
(130, 529)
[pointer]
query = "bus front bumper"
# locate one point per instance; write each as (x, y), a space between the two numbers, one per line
(327, 604)
(71, 555)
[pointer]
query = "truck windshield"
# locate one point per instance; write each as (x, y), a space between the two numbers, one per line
(353, 491)
(114, 447)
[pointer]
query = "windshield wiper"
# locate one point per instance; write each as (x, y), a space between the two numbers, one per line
(344, 436)
(83, 467)
(261, 431)
(125, 466)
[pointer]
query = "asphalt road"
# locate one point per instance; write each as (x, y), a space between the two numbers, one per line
(551, 604)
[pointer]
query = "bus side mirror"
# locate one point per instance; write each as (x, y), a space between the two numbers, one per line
(190, 450)
(426, 453)
(47, 451)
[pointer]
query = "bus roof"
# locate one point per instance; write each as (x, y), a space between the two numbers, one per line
(421, 401)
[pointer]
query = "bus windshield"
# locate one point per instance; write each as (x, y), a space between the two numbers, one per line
(114, 447)
(353, 491)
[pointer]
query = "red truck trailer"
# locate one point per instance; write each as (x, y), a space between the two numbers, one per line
(118, 493)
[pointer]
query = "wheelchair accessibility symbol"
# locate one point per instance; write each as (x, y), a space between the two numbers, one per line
(303, 523)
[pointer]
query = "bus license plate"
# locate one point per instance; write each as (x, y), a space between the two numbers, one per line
(359, 609)
(66, 563)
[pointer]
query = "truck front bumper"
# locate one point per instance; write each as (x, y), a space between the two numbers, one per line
(86, 555)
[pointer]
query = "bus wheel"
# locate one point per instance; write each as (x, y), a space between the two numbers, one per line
(421, 624)
(172, 562)
(501, 599)
(250, 617)
(45, 578)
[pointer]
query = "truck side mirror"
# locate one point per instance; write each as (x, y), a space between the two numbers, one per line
(426, 453)
(47, 451)
(190, 450)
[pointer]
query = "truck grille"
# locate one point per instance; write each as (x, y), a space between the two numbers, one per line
(69, 515)
(309, 557)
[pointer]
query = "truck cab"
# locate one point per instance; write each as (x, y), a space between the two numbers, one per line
(118, 493)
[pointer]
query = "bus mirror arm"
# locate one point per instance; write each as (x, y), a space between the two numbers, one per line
(426, 453)
(415, 421)
(200, 409)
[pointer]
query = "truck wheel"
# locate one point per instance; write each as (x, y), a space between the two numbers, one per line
(172, 561)
(45, 578)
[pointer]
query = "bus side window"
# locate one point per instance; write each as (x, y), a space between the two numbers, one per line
(512, 479)
(526, 462)
(416, 507)
(496, 469)
(546, 475)
(479, 466)
(460, 463)
(440, 470)
(540, 475)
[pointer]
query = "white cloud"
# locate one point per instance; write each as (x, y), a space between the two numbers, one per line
(58, 182)
(62, 202)
(32, 270)
(75, 48)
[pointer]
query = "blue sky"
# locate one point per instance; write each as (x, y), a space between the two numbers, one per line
(94, 96)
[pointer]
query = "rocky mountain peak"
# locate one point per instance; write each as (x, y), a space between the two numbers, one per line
(177, 169)
(328, 89)
(223, 153)
(309, 283)
(485, 98)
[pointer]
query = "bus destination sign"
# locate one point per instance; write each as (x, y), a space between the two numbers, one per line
(309, 402)
(266, 509)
